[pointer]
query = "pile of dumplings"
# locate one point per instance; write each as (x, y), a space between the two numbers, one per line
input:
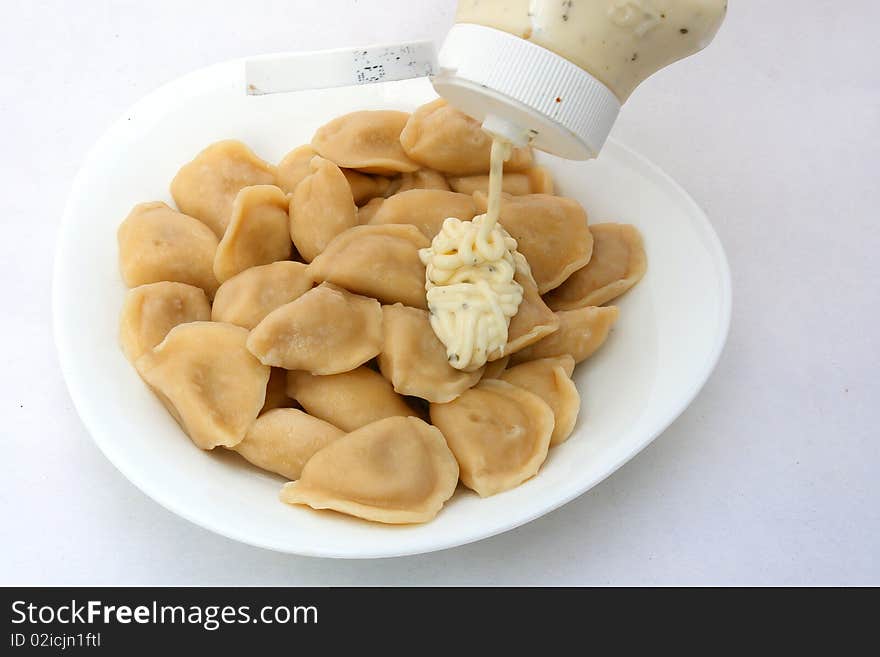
(279, 311)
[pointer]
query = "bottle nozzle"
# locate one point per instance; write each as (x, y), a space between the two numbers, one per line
(507, 130)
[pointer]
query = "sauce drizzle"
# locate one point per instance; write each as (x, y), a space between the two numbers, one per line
(470, 269)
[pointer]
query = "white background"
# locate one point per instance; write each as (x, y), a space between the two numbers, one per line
(771, 477)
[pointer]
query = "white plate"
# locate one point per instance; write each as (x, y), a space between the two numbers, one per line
(671, 330)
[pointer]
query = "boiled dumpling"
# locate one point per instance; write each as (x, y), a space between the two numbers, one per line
(533, 320)
(441, 137)
(421, 179)
(246, 298)
(284, 439)
(150, 311)
(618, 263)
(322, 207)
(494, 368)
(550, 231)
(157, 243)
(366, 140)
(206, 187)
(536, 180)
(550, 379)
(348, 400)
(208, 380)
(325, 331)
(293, 169)
(397, 470)
(581, 332)
(540, 181)
(276, 391)
(515, 184)
(368, 211)
(365, 187)
(426, 209)
(258, 232)
(377, 261)
(415, 361)
(499, 434)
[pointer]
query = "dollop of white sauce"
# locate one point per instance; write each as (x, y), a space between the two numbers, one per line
(471, 292)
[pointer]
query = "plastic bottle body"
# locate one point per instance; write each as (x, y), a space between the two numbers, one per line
(619, 42)
(559, 70)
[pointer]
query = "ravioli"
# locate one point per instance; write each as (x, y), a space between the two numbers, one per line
(294, 167)
(150, 311)
(494, 368)
(536, 180)
(367, 211)
(325, 331)
(349, 400)
(364, 187)
(581, 332)
(426, 209)
(550, 379)
(257, 234)
(499, 434)
(377, 261)
(533, 320)
(208, 380)
(618, 263)
(398, 470)
(206, 187)
(440, 137)
(415, 361)
(322, 207)
(157, 244)
(421, 179)
(246, 298)
(276, 391)
(366, 140)
(550, 231)
(284, 439)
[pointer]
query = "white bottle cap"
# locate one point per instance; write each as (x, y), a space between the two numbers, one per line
(525, 89)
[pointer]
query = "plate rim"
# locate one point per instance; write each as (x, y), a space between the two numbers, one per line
(714, 245)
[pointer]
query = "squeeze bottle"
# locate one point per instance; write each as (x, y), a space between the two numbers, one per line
(554, 73)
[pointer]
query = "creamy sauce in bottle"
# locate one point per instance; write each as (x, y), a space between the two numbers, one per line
(619, 42)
